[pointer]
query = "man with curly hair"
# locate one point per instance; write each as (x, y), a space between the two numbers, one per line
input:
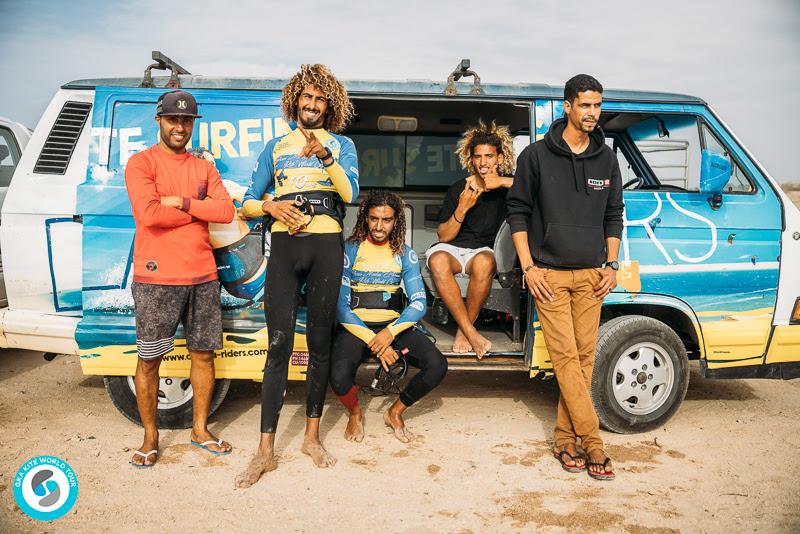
(474, 209)
(300, 183)
(373, 319)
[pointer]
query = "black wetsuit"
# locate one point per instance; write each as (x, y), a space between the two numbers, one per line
(313, 257)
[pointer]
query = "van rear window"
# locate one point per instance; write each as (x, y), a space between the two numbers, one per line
(402, 161)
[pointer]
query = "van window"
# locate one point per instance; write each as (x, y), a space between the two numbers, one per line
(9, 156)
(664, 151)
(399, 161)
(670, 144)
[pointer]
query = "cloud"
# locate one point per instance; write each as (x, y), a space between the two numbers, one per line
(740, 55)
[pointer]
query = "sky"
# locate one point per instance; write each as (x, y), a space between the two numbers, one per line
(743, 57)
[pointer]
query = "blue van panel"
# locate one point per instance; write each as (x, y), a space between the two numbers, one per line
(722, 263)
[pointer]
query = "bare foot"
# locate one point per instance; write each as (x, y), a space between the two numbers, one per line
(461, 343)
(395, 422)
(204, 436)
(355, 428)
(144, 455)
(321, 457)
(480, 344)
(259, 465)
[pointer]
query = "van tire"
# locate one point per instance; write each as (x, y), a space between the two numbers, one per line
(121, 391)
(624, 345)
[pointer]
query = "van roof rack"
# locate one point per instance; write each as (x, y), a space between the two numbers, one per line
(462, 70)
(163, 62)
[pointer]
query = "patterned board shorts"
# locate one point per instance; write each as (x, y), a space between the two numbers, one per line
(159, 309)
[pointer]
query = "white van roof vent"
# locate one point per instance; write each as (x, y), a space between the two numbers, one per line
(62, 139)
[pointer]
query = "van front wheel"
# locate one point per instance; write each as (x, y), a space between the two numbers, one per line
(640, 376)
(174, 399)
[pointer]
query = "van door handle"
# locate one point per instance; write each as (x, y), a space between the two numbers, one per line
(77, 219)
(654, 222)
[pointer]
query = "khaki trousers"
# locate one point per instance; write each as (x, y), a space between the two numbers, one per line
(569, 324)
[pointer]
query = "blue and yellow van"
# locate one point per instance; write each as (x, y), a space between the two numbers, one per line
(709, 258)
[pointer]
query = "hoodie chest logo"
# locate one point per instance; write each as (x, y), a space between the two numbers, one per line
(598, 185)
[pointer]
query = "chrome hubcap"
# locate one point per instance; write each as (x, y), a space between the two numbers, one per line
(172, 392)
(643, 378)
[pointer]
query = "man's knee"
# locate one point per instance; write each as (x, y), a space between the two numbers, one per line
(439, 264)
(483, 266)
(202, 357)
(436, 368)
(341, 379)
(148, 367)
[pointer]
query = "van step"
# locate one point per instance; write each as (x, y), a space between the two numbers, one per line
(496, 362)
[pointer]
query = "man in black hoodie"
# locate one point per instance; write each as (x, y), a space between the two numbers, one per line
(565, 213)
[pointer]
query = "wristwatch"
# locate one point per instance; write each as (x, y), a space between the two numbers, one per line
(613, 264)
(328, 154)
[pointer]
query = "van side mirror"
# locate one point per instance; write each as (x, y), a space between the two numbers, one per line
(715, 172)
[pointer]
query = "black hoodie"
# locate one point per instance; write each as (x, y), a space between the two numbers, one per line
(568, 203)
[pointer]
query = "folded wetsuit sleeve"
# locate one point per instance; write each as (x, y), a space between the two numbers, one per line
(344, 171)
(415, 289)
(262, 183)
(145, 199)
(344, 314)
(612, 220)
(217, 207)
(521, 196)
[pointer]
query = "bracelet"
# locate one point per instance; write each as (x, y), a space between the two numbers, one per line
(528, 268)
(326, 165)
(456, 218)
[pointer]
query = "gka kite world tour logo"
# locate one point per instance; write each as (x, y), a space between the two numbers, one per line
(45, 488)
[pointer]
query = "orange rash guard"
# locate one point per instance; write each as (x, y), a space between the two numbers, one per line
(171, 245)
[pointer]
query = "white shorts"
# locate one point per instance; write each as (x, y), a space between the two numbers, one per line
(463, 255)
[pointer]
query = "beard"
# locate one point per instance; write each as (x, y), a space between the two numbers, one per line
(317, 122)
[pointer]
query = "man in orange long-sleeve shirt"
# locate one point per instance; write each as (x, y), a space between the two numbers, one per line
(174, 196)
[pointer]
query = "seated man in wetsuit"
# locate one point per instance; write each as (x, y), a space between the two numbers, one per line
(373, 320)
(474, 208)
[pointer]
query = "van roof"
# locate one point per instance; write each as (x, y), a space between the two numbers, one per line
(390, 87)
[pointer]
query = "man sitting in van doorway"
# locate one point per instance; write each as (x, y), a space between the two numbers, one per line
(565, 213)
(373, 318)
(174, 272)
(474, 208)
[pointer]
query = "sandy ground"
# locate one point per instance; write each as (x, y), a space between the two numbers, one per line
(727, 462)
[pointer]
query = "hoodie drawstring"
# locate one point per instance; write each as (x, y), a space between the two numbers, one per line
(574, 173)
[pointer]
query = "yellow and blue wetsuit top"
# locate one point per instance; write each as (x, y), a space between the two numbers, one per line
(281, 171)
(374, 267)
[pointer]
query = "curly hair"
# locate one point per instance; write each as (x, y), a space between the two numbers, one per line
(496, 136)
(340, 109)
(374, 199)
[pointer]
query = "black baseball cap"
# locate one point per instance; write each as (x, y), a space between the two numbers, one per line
(177, 103)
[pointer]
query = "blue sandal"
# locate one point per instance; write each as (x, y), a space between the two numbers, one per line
(205, 445)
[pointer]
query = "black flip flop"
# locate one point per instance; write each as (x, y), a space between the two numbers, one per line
(568, 468)
(605, 475)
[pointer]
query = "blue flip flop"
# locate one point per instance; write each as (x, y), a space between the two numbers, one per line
(205, 445)
(145, 456)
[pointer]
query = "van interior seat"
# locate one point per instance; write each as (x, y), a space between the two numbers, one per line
(504, 294)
